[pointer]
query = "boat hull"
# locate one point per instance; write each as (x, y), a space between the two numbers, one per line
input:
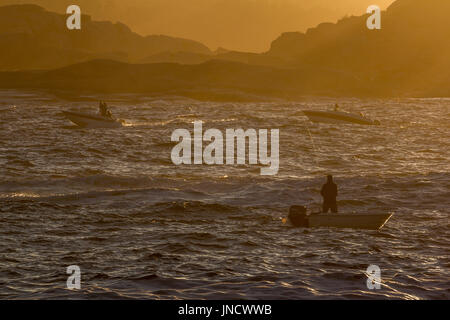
(91, 121)
(351, 221)
(337, 117)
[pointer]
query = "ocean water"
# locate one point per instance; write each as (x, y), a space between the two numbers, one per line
(112, 202)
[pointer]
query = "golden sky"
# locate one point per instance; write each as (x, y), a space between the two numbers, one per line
(245, 25)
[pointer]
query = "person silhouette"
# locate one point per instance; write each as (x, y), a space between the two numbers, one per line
(103, 110)
(329, 193)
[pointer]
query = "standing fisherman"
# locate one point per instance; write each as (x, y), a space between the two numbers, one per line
(329, 193)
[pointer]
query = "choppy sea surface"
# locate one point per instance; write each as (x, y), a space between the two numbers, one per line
(112, 202)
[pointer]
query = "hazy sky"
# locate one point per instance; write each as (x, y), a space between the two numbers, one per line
(246, 25)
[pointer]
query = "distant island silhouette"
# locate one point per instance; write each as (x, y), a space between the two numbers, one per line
(407, 57)
(35, 38)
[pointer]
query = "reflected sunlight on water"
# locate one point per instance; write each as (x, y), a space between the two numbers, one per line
(111, 201)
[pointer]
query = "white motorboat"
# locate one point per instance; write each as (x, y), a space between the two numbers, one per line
(87, 120)
(339, 117)
(299, 218)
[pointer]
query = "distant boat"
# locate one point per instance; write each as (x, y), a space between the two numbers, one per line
(339, 117)
(338, 220)
(87, 120)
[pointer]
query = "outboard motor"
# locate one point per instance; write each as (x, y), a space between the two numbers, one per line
(298, 216)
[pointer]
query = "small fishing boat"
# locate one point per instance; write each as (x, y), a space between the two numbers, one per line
(339, 117)
(87, 120)
(299, 218)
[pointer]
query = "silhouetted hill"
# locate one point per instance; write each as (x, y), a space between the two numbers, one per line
(215, 80)
(408, 57)
(182, 57)
(247, 25)
(33, 38)
(197, 58)
(410, 51)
